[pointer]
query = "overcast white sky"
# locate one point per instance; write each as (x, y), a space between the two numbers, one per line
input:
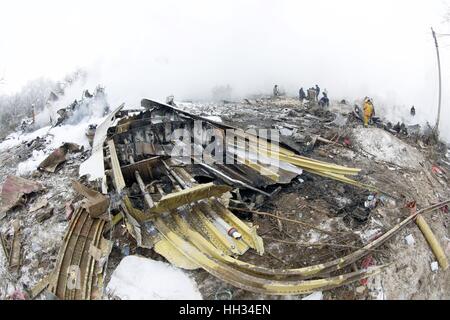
(138, 49)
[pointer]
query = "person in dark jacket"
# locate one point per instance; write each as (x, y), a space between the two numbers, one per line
(318, 91)
(324, 101)
(276, 91)
(301, 95)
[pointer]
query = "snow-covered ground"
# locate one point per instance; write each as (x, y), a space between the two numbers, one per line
(16, 138)
(145, 279)
(54, 138)
(73, 130)
(386, 147)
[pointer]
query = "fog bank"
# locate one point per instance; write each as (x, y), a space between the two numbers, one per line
(381, 49)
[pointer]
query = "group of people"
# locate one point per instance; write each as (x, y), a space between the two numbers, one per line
(313, 95)
(369, 113)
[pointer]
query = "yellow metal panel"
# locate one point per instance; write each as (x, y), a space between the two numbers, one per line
(177, 199)
(245, 281)
(119, 182)
(168, 251)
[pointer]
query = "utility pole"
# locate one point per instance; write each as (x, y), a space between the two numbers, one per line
(436, 128)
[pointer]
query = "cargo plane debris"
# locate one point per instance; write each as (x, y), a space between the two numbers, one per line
(13, 191)
(192, 190)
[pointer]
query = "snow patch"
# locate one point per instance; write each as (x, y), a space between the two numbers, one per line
(313, 236)
(32, 163)
(214, 118)
(314, 296)
(139, 278)
(386, 147)
(16, 138)
(55, 138)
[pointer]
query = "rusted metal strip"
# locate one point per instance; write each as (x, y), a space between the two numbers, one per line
(74, 272)
(15, 256)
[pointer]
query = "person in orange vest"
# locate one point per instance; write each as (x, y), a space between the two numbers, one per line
(369, 111)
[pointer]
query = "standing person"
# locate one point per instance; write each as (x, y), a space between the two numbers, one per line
(369, 111)
(413, 111)
(276, 92)
(318, 91)
(301, 95)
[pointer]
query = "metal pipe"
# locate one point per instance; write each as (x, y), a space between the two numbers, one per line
(234, 181)
(141, 184)
(175, 175)
(432, 241)
(230, 230)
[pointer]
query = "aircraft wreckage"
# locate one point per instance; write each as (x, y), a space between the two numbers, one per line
(177, 205)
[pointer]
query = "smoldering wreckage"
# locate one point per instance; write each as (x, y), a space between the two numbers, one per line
(328, 213)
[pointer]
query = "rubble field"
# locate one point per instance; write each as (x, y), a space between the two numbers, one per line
(116, 203)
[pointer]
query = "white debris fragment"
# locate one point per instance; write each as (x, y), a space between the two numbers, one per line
(380, 295)
(286, 132)
(139, 278)
(314, 296)
(313, 236)
(214, 118)
(376, 289)
(368, 235)
(343, 201)
(94, 165)
(410, 239)
(360, 289)
(434, 266)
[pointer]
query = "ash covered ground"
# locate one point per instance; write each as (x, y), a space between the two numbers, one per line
(406, 167)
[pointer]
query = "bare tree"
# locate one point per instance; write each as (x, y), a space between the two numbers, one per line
(14, 107)
(34, 95)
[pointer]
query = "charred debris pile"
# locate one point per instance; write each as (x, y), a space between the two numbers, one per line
(306, 207)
